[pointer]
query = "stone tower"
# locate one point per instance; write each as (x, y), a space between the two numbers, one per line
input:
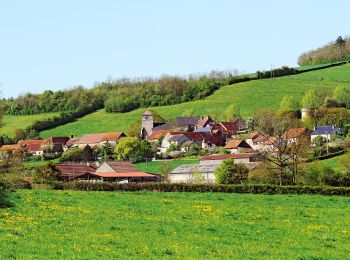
(147, 124)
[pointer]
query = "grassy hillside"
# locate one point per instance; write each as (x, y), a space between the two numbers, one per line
(249, 96)
(89, 225)
(10, 123)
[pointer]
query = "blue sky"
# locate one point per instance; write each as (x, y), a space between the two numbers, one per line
(61, 44)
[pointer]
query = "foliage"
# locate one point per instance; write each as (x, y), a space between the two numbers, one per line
(45, 174)
(289, 104)
(132, 149)
(312, 99)
(342, 96)
(231, 173)
(332, 52)
(249, 96)
(105, 152)
(73, 154)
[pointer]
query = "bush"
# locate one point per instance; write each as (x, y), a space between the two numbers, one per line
(231, 173)
(182, 187)
(45, 174)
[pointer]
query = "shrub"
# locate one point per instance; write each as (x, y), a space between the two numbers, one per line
(231, 173)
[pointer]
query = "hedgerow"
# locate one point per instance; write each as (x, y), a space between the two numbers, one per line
(182, 187)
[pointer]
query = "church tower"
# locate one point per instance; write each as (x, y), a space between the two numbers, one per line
(147, 124)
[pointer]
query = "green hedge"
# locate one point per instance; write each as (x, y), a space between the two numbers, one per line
(165, 187)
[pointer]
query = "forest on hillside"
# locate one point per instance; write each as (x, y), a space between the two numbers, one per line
(123, 95)
(339, 50)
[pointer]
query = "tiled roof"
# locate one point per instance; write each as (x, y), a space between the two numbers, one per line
(10, 147)
(122, 166)
(295, 132)
(188, 168)
(236, 143)
(136, 174)
(32, 145)
(229, 126)
(186, 121)
(57, 140)
(72, 141)
(147, 113)
(226, 156)
(204, 121)
(98, 138)
(74, 170)
(157, 134)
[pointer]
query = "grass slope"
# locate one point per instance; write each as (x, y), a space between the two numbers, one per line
(155, 166)
(112, 225)
(249, 96)
(10, 123)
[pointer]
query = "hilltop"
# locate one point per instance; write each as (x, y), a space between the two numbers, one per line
(248, 96)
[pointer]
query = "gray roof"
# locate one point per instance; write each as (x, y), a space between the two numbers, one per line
(202, 130)
(186, 120)
(326, 130)
(188, 168)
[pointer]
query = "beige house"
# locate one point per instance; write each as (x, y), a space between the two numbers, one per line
(94, 140)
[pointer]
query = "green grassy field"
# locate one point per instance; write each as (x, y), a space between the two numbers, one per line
(90, 225)
(334, 163)
(249, 96)
(155, 166)
(11, 123)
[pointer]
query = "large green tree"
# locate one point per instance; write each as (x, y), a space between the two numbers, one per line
(341, 95)
(231, 173)
(312, 99)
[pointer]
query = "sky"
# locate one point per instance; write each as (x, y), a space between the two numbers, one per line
(64, 43)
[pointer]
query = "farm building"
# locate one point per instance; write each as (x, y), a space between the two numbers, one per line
(94, 140)
(236, 146)
(189, 173)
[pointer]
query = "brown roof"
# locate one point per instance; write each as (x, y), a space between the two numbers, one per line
(74, 170)
(98, 138)
(72, 141)
(32, 145)
(147, 113)
(295, 132)
(203, 121)
(57, 140)
(10, 147)
(122, 166)
(229, 126)
(136, 174)
(157, 134)
(226, 156)
(236, 143)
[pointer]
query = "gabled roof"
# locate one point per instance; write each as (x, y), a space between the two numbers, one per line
(175, 137)
(295, 132)
(226, 156)
(98, 138)
(157, 134)
(326, 130)
(57, 140)
(72, 141)
(236, 143)
(202, 130)
(204, 121)
(187, 121)
(122, 166)
(147, 113)
(136, 174)
(32, 145)
(74, 170)
(229, 126)
(10, 147)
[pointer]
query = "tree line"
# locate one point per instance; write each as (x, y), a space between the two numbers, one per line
(332, 52)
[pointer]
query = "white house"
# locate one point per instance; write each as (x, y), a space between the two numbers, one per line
(326, 132)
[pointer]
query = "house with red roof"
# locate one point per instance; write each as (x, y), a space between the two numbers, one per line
(236, 146)
(35, 147)
(108, 171)
(95, 140)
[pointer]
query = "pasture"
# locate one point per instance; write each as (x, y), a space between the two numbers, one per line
(249, 96)
(88, 225)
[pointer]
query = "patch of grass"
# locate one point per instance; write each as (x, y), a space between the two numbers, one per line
(11, 123)
(39, 163)
(90, 225)
(334, 163)
(155, 166)
(249, 96)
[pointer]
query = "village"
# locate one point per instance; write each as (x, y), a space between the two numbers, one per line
(211, 141)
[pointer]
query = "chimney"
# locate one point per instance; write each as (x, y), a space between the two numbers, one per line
(98, 164)
(71, 136)
(88, 164)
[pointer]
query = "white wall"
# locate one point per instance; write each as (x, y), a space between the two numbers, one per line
(188, 177)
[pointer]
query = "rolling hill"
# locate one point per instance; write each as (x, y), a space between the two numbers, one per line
(249, 96)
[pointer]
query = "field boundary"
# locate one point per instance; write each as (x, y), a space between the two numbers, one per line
(183, 187)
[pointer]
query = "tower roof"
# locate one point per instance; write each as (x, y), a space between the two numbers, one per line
(147, 113)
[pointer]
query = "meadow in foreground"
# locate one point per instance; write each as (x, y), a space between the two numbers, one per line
(77, 224)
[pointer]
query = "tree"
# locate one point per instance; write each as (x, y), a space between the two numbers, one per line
(289, 104)
(20, 134)
(232, 111)
(74, 154)
(88, 154)
(311, 99)
(340, 42)
(105, 152)
(165, 170)
(134, 129)
(128, 149)
(197, 177)
(231, 173)
(342, 95)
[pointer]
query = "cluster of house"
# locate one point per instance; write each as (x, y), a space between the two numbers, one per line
(183, 133)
